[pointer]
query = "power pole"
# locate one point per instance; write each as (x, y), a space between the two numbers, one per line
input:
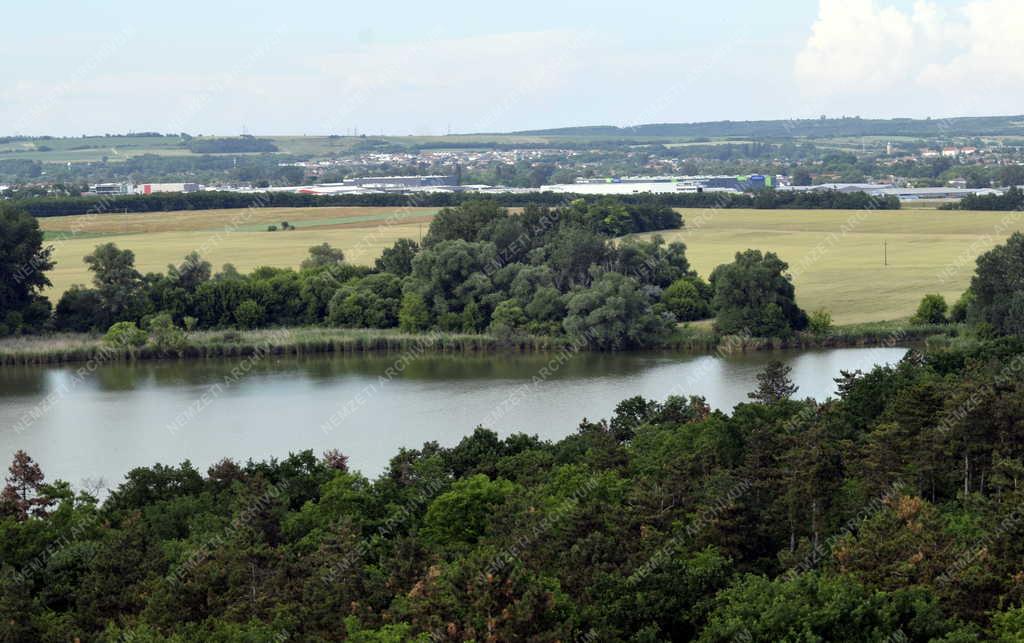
(885, 253)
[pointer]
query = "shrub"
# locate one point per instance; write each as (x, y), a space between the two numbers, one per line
(249, 314)
(413, 315)
(126, 335)
(819, 322)
(684, 300)
(932, 310)
(507, 320)
(271, 228)
(164, 335)
(958, 312)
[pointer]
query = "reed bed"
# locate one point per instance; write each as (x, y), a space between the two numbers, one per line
(70, 347)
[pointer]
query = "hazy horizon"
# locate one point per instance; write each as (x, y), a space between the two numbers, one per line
(327, 69)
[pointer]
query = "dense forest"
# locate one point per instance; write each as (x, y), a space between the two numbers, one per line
(892, 513)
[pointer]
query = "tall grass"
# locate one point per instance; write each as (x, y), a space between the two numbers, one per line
(62, 348)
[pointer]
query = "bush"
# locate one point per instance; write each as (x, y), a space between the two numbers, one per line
(249, 314)
(507, 320)
(413, 316)
(819, 322)
(125, 335)
(932, 310)
(684, 300)
(164, 335)
(958, 312)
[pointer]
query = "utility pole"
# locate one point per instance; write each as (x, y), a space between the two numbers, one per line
(885, 253)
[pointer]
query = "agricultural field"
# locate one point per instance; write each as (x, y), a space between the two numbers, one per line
(836, 257)
(227, 236)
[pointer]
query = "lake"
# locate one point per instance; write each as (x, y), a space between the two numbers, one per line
(96, 426)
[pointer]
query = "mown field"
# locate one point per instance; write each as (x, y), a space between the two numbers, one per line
(836, 256)
(228, 236)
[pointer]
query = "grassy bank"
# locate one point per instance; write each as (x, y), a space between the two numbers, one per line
(66, 348)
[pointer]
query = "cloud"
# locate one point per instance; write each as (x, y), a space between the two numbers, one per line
(863, 47)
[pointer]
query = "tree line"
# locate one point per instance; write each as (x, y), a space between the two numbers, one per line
(170, 202)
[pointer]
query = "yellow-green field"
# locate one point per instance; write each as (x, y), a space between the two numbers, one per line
(836, 256)
(228, 236)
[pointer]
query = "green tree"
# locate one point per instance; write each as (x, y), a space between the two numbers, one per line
(23, 265)
(819, 322)
(932, 310)
(774, 384)
(192, 273)
(998, 287)
(685, 301)
(323, 256)
(754, 294)
(413, 315)
(614, 313)
(507, 320)
(117, 282)
(398, 258)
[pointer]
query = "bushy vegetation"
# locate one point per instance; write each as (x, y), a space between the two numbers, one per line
(891, 511)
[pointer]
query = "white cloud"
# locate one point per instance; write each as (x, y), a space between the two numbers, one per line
(868, 48)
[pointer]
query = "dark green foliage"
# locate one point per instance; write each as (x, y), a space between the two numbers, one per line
(23, 265)
(755, 295)
(614, 313)
(998, 288)
(774, 384)
(398, 258)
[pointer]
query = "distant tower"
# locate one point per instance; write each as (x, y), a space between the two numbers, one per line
(888, 148)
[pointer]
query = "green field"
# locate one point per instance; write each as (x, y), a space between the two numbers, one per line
(836, 256)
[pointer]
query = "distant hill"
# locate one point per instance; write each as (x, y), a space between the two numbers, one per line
(804, 128)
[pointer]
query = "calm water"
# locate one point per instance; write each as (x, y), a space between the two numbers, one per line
(99, 426)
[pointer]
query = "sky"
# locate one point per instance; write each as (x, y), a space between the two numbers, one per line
(75, 67)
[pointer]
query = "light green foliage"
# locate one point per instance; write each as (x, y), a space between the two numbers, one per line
(413, 315)
(461, 515)
(125, 335)
(164, 335)
(684, 300)
(819, 322)
(931, 311)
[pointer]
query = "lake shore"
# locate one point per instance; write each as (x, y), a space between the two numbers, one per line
(81, 347)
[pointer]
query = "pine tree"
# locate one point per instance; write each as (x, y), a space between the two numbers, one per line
(774, 384)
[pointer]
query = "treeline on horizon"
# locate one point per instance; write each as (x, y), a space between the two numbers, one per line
(892, 512)
(804, 128)
(1012, 199)
(170, 202)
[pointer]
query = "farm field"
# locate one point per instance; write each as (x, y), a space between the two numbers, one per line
(836, 257)
(227, 236)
